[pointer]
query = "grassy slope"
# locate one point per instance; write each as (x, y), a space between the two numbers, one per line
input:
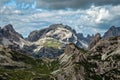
(53, 43)
(36, 69)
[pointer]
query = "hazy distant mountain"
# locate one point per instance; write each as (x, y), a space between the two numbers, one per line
(86, 39)
(52, 40)
(113, 31)
(49, 42)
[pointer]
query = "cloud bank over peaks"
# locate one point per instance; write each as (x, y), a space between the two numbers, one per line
(86, 16)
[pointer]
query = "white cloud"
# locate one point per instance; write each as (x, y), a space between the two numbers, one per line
(97, 14)
(92, 20)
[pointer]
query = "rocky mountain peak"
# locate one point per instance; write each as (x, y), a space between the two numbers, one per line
(56, 36)
(8, 36)
(54, 26)
(95, 40)
(113, 31)
(62, 33)
(112, 28)
(97, 35)
(86, 39)
(9, 32)
(49, 42)
(9, 27)
(52, 31)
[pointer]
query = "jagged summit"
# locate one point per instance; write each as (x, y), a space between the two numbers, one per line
(9, 32)
(94, 41)
(56, 36)
(53, 26)
(9, 37)
(113, 31)
(62, 33)
(112, 28)
(37, 34)
(8, 27)
(48, 42)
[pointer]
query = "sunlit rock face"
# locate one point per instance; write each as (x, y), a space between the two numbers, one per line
(61, 32)
(50, 40)
(102, 62)
(56, 37)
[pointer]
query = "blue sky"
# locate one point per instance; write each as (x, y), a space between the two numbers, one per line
(85, 16)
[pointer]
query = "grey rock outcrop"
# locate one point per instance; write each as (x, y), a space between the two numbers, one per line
(61, 32)
(87, 39)
(10, 38)
(112, 32)
(49, 52)
(95, 40)
(100, 63)
(9, 32)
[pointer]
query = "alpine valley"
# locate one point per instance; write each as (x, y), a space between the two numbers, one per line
(59, 53)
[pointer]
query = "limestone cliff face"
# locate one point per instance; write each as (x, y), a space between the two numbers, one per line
(51, 41)
(95, 40)
(102, 62)
(69, 64)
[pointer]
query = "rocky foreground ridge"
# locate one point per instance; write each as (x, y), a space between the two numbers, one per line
(101, 62)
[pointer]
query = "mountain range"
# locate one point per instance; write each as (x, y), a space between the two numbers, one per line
(48, 42)
(59, 53)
